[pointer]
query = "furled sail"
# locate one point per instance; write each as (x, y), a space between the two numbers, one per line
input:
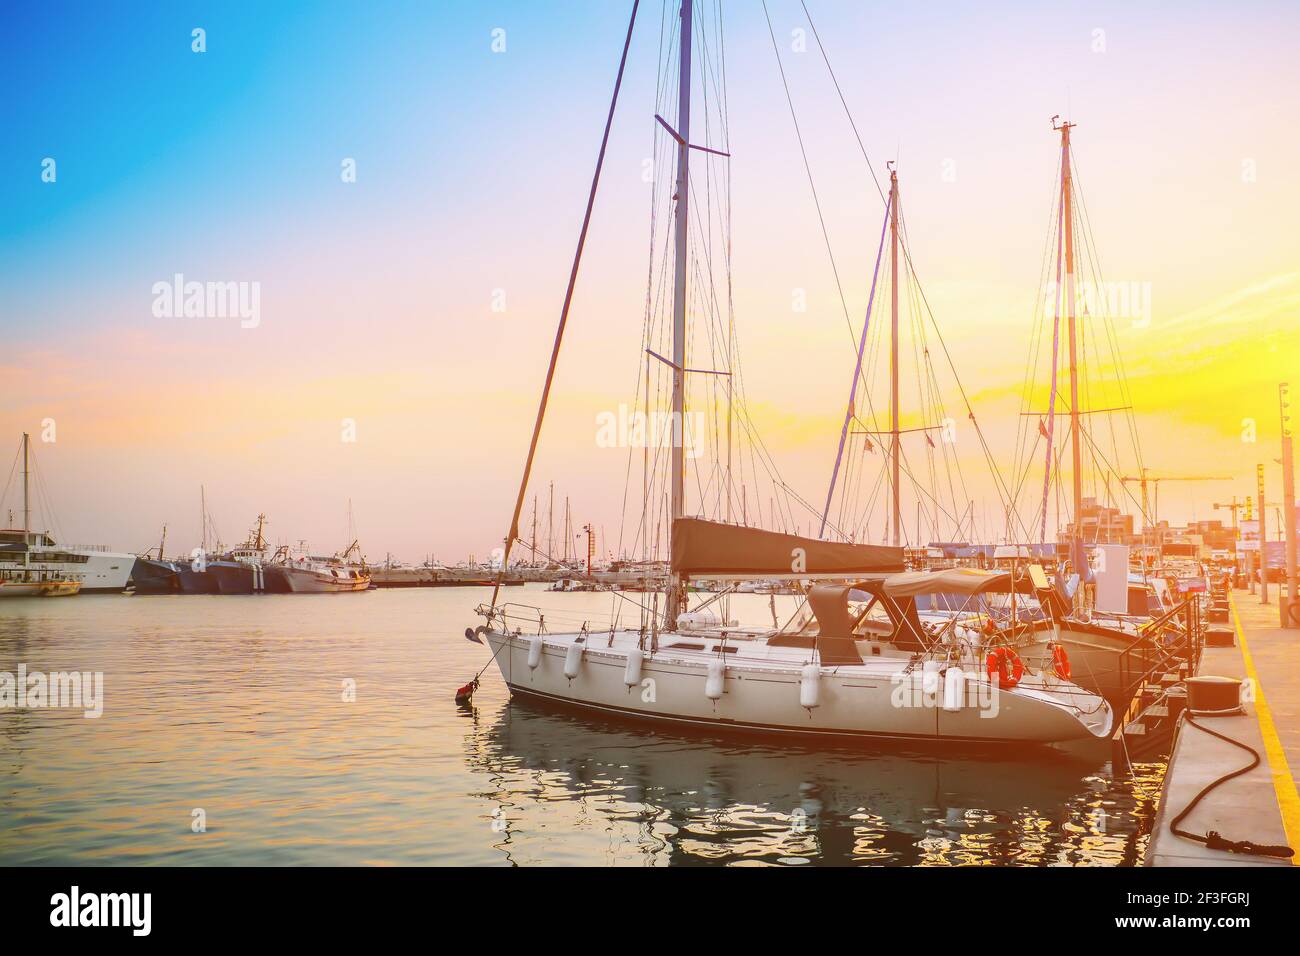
(712, 548)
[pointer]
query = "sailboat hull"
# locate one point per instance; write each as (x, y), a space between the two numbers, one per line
(1104, 661)
(868, 701)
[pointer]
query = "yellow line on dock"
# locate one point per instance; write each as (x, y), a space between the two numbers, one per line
(1288, 799)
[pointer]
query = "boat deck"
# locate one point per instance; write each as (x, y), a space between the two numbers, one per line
(1261, 806)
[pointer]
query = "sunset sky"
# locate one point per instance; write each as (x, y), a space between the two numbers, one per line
(472, 169)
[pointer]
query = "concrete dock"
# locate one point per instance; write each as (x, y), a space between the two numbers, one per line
(1261, 806)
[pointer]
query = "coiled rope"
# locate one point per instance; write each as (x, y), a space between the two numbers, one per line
(1213, 839)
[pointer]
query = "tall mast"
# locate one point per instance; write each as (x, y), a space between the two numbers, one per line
(677, 503)
(27, 510)
(897, 522)
(1067, 204)
(203, 516)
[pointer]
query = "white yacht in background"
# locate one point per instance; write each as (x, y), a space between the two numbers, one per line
(26, 552)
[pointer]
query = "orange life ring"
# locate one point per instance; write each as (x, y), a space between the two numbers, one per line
(1004, 667)
(1060, 661)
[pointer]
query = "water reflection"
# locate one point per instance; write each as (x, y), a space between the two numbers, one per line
(235, 705)
(671, 798)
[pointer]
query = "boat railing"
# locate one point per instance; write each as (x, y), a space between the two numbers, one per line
(525, 618)
(1176, 636)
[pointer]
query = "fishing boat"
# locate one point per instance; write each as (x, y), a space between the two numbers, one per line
(318, 574)
(314, 575)
(156, 575)
(152, 576)
(241, 569)
(192, 576)
(855, 664)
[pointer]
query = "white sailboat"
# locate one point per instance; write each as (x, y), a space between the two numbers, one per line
(859, 664)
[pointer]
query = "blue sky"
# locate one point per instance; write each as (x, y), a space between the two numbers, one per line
(472, 171)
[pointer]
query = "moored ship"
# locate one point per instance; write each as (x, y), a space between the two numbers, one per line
(315, 575)
(37, 583)
(24, 551)
(241, 570)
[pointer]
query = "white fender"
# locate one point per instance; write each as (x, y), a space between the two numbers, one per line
(573, 660)
(930, 677)
(713, 686)
(534, 651)
(810, 686)
(954, 689)
(632, 672)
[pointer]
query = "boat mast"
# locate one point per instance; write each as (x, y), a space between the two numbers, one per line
(897, 521)
(1067, 204)
(678, 464)
(203, 517)
(27, 510)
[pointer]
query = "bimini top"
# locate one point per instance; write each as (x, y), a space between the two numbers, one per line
(703, 547)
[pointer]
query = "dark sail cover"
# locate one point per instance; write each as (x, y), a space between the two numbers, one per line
(710, 547)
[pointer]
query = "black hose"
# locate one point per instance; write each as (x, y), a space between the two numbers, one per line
(1212, 839)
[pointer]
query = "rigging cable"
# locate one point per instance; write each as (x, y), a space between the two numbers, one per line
(564, 314)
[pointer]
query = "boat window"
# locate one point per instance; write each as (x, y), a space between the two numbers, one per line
(871, 619)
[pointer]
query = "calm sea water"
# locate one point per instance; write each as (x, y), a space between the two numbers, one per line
(239, 707)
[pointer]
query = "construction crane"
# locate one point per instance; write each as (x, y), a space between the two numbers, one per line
(1151, 504)
(1234, 506)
